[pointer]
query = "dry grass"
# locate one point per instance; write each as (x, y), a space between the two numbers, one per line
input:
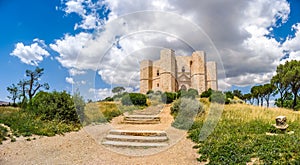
(245, 113)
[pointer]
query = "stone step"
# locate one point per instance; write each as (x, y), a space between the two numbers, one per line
(138, 132)
(140, 122)
(131, 117)
(133, 144)
(144, 139)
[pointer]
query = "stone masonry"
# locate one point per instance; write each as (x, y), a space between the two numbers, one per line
(172, 73)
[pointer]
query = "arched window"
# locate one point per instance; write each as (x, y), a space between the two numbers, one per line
(157, 72)
(183, 88)
(157, 84)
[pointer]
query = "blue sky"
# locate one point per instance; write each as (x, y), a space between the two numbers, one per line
(95, 45)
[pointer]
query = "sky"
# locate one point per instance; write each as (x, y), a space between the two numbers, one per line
(93, 46)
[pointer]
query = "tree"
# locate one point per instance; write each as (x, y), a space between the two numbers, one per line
(255, 93)
(118, 90)
(22, 88)
(267, 90)
(281, 87)
(238, 93)
(289, 73)
(14, 92)
(33, 82)
(248, 97)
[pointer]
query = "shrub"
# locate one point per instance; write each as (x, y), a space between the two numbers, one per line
(217, 97)
(207, 93)
(191, 93)
(134, 99)
(184, 111)
(168, 97)
(55, 106)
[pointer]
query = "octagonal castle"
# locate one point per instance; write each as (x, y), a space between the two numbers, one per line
(171, 73)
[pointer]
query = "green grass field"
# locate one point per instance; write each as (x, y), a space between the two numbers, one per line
(240, 136)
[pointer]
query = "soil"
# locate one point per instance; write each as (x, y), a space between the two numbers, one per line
(84, 147)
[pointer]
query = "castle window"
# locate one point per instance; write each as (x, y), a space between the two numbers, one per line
(183, 69)
(157, 84)
(157, 72)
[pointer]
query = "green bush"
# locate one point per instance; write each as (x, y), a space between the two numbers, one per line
(217, 97)
(134, 99)
(168, 97)
(206, 94)
(191, 93)
(55, 106)
(184, 111)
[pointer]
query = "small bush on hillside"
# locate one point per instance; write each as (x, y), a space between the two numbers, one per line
(168, 97)
(217, 97)
(206, 94)
(191, 93)
(134, 99)
(55, 106)
(185, 110)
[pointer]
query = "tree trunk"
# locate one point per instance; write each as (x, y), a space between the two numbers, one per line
(295, 100)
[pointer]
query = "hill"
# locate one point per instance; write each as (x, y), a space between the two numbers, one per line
(241, 136)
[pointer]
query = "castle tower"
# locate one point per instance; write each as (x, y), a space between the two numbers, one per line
(146, 76)
(198, 71)
(211, 74)
(168, 70)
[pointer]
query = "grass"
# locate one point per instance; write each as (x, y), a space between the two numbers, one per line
(240, 135)
(101, 112)
(25, 123)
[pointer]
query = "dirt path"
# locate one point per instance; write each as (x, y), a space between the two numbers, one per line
(84, 147)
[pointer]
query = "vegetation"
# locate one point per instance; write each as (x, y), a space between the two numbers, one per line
(134, 99)
(241, 135)
(24, 123)
(54, 106)
(168, 97)
(28, 87)
(184, 111)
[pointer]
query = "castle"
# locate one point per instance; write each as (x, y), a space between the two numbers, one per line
(172, 73)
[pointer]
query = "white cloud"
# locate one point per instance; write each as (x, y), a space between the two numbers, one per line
(32, 54)
(74, 72)
(238, 29)
(75, 6)
(70, 80)
(101, 93)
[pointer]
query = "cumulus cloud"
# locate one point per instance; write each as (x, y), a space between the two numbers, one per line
(31, 54)
(70, 80)
(135, 30)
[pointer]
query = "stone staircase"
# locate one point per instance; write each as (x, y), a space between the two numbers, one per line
(141, 119)
(136, 138)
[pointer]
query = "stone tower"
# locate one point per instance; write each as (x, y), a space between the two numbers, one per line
(171, 73)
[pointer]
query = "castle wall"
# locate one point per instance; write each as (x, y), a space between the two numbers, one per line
(145, 76)
(211, 73)
(198, 71)
(167, 73)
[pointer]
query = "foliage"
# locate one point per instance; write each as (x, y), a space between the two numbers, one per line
(118, 90)
(33, 82)
(191, 93)
(288, 75)
(14, 92)
(168, 97)
(184, 111)
(217, 97)
(108, 99)
(241, 135)
(134, 99)
(3, 133)
(206, 94)
(79, 105)
(55, 106)
(24, 123)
